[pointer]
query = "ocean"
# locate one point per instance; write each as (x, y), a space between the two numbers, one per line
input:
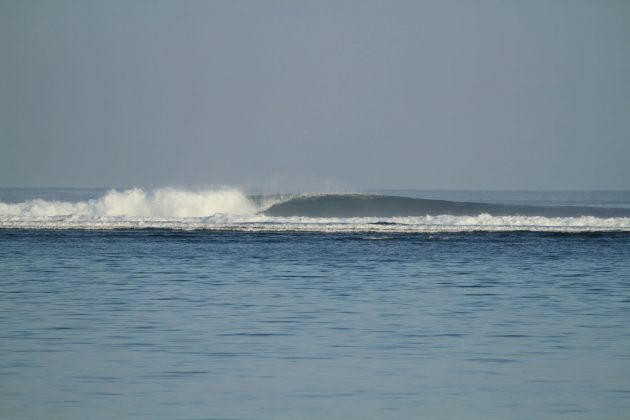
(219, 304)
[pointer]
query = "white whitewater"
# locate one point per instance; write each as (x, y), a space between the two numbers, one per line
(137, 202)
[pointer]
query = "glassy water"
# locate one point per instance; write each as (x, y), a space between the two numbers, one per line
(197, 325)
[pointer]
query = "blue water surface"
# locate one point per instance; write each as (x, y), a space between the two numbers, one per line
(202, 325)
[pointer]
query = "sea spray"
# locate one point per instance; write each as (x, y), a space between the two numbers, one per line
(137, 202)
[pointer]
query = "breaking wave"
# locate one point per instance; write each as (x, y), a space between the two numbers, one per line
(231, 209)
(136, 202)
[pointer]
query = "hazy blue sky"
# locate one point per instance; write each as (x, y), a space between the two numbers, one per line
(389, 94)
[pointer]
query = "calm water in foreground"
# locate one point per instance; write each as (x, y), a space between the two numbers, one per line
(197, 325)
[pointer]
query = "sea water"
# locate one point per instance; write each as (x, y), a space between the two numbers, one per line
(199, 305)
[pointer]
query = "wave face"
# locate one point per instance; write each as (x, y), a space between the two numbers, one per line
(361, 205)
(231, 209)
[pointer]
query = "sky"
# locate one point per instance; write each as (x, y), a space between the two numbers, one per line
(475, 95)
